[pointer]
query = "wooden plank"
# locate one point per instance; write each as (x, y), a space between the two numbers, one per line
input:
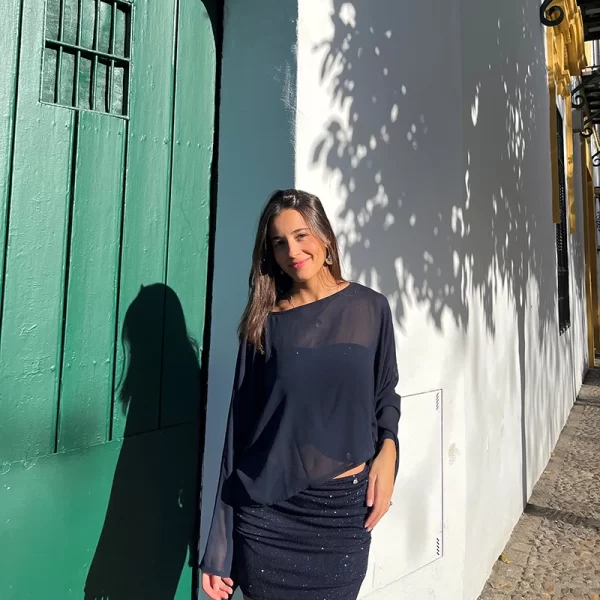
(9, 25)
(145, 218)
(111, 521)
(89, 348)
(34, 286)
(190, 214)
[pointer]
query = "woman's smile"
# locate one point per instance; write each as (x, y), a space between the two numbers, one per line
(300, 264)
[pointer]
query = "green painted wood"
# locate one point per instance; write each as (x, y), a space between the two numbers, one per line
(9, 24)
(112, 521)
(31, 325)
(89, 347)
(190, 208)
(146, 201)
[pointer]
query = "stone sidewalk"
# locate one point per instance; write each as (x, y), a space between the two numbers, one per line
(554, 551)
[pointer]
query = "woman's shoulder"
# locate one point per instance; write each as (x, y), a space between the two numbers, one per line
(366, 294)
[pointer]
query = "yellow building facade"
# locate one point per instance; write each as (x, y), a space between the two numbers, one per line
(570, 56)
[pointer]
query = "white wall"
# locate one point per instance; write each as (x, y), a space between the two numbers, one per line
(425, 133)
(522, 376)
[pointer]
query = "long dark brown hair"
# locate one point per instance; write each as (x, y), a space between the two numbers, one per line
(268, 284)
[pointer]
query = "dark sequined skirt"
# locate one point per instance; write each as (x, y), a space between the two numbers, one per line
(313, 546)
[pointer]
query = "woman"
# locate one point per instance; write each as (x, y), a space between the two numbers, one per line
(311, 449)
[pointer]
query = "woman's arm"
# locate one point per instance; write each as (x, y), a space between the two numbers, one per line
(381, 483)
(384, 468)
(218, 557)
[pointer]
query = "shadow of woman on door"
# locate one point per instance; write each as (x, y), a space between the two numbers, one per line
(150, 525)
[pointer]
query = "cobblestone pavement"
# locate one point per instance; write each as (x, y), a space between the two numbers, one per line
(554, 551)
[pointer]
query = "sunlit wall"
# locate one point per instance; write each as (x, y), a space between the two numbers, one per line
(425, 133)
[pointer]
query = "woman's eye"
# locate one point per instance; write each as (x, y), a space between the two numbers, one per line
(301, 236)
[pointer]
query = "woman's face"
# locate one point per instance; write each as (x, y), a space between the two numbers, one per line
(298, 252)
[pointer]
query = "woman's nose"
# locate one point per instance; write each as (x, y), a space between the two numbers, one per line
(293, 249)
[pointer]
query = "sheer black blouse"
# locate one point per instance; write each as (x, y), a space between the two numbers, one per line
(319, 401)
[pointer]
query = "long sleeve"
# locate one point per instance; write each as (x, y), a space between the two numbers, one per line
(218, 557)
(387, 401)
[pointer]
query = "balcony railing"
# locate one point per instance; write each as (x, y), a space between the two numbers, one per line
(590, 15)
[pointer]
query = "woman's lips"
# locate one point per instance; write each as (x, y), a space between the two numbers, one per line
(300, 264)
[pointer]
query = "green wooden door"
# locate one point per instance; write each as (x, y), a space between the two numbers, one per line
(106, 134)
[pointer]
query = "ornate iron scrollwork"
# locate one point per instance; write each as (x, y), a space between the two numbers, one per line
(596, 159)
(589, 123)
(588, 129)
(578, 96)
(551, 16)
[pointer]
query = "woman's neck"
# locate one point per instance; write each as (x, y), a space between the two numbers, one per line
(317, 288)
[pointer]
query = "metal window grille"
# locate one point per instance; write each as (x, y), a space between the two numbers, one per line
(562, 251)
(87, 55)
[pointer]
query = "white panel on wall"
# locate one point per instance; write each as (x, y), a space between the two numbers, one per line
(410, 535)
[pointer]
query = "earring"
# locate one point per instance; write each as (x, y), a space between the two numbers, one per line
(328, 259)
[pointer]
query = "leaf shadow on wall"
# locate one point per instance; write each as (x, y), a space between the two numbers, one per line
(151, 521)
(453, 232)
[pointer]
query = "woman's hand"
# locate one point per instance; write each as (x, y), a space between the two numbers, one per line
(217, 588)
(381, 483)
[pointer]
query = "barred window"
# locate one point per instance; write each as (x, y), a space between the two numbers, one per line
(87, 47)
(562, 241)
